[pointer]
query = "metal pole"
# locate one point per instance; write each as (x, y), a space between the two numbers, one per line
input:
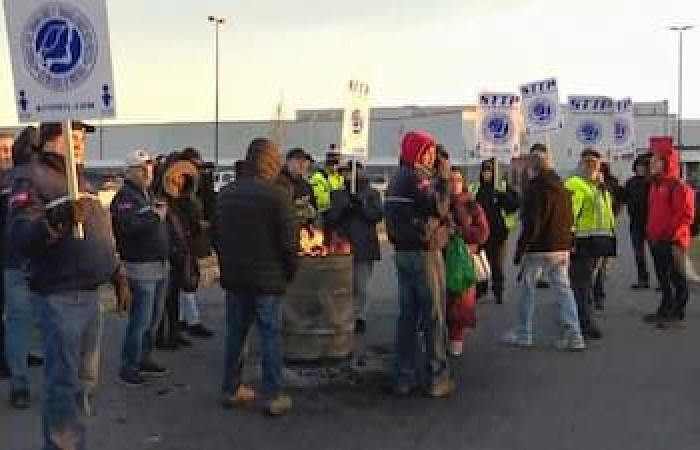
(216, 126)
(680, 90)
(72, 174)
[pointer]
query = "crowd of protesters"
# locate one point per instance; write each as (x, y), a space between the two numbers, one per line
(166, 217)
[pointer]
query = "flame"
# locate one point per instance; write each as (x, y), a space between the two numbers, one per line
(311, 242)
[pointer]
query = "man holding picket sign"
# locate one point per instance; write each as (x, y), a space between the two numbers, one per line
(62, 72)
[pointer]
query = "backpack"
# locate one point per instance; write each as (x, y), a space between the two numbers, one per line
(459, 265)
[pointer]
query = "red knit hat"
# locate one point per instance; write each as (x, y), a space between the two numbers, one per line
(413, 144)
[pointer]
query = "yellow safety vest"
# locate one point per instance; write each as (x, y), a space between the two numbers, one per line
(323, 183)
(592, 208)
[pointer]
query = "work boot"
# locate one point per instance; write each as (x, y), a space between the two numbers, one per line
(131, 378)
(669, 324)
(499, 298)
(279, 406)
(591, 331)
(20, 399)
(442, 389)
(152, 369)
(199, 331)
(640, 285)
(244, 395)
(571, 343)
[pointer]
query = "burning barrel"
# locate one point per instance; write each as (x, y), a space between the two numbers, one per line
(317, 313)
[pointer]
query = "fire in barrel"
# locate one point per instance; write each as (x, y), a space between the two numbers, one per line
(318, 319)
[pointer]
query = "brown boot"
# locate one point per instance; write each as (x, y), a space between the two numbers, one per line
(279, 406)
(245, 395)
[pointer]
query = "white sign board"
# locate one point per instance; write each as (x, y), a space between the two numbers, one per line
(498, 126)
(540, 107)
(590, 124)
(61, 59)
(355, 130)
(623, 142)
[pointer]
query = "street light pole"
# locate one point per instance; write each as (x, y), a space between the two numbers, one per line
(680, 29)
(217, 21)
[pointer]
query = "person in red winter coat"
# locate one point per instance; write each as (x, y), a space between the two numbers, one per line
(671, 213)
(470, 222)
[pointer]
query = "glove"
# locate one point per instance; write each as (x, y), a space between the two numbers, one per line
(66, 214)
(122, 291)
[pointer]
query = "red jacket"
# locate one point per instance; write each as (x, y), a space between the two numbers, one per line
(671, 203)
(470, 220)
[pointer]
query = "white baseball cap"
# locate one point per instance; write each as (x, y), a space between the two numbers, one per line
(138, 158)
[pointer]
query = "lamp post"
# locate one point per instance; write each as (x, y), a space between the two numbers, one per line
(217, 21)
(680, 29)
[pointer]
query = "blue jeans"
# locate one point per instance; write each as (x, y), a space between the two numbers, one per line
(148, 304)
(422, 297)
(70, 329)
(18, 320)
(241, 311)
(362, 272)
(556, 267)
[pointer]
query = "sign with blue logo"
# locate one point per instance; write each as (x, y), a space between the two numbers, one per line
(540, 107)
(61, 59)
(623, 139)
(355, 130)
(498, 126)
(590, 124)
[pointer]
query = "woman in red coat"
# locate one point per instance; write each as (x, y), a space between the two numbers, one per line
(470, 221)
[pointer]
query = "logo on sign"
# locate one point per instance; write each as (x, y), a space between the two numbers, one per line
(622, 132)
(60, 46)
(541, 112)
(497, 129)
(357, 122)
(589, 132)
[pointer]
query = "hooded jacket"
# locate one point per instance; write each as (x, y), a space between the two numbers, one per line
(637, 198)
(671, 202)
(498, 204)
(546, 227)
(415, 205)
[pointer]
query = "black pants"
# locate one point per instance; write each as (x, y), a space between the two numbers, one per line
(168, 329)
(674, 286)
(581, 273)
(639, 241)
(496, 255)
(2, 320)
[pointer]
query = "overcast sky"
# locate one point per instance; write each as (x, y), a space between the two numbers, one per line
(411, 51)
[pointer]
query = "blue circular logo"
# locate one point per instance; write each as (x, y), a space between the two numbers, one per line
(60, 46)
(497, 128)
(589, 132)
(541, 112)
(622, 131)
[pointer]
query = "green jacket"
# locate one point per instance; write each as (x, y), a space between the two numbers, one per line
(323, 183)
(592, 208)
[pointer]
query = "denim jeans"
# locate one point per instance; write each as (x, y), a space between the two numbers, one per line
(70, 329)
(362, 272)
(19, 317)
(241, 311)
(422, 301)
(148, 304)
(555, 266)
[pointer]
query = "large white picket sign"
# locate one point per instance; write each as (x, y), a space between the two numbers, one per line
(540, 107)
(589, 124)
(623, 140)
(61, 59)
(498, 126)
(355, 131)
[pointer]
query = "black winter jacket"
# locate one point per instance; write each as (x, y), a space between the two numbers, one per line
(141, 235)
(356, 217)
(546, 216)
(256, 237)
(58, 262)
(637, 199)
(411, 202)
(495, 203)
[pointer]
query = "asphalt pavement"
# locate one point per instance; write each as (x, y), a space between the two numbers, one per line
(637, 389)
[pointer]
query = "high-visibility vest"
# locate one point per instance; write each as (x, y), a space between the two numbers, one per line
(323, 183)
(509, 219)
(592, 208)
